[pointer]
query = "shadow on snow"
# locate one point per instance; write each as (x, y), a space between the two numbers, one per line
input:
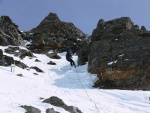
(76, 78)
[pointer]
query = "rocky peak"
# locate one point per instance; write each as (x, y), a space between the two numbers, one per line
(52, 33)
(51, 18)
(5, 19)
(9, 32)
(6, 22)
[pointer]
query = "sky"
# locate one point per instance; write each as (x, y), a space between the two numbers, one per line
(84, 14)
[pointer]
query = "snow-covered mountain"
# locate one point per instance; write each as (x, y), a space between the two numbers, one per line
(73, 86)
(46, 83)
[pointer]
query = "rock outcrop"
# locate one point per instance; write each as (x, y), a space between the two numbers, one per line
(8, 61)
(1, 58)
(21, 53)
(54, 34)
(51, 110)
(30, 109)
(55, 101)
(120, 55)
(5, 60)
(20, 64)
(37, 69)
(9, 32)
(53, 55)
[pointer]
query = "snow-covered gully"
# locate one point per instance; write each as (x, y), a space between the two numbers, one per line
(73, 86)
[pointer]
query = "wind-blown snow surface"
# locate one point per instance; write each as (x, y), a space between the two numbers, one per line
(60, 81)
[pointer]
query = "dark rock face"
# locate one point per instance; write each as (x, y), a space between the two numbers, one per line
(52, 34)
(8, 60)
(31, 109)
(5, 60)
(9, 32)
(59, 103)
(1, 58)
(83, 53)
(120, 55)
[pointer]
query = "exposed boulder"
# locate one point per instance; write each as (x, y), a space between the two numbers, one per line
(20, 64)
(53, 55)
(52, 34)
(36, 68)
(37, 60)
(120, 55)
(51, 63)
(51, 110)
(30, 109)
(59, 103)
(35, 73)
(9, 32)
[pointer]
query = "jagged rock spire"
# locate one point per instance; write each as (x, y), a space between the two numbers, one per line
(52, 17)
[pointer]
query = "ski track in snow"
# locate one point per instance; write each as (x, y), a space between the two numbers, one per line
(60, 81)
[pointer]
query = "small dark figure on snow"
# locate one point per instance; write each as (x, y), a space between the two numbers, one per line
(69, 58)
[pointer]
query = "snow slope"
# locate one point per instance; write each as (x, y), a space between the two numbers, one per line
(73, 86)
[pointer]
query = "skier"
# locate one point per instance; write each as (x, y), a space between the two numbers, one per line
(69, 56)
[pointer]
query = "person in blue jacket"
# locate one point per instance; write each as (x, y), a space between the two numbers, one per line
(69, 58)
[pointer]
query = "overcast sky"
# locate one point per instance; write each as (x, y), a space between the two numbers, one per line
(85, 14)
